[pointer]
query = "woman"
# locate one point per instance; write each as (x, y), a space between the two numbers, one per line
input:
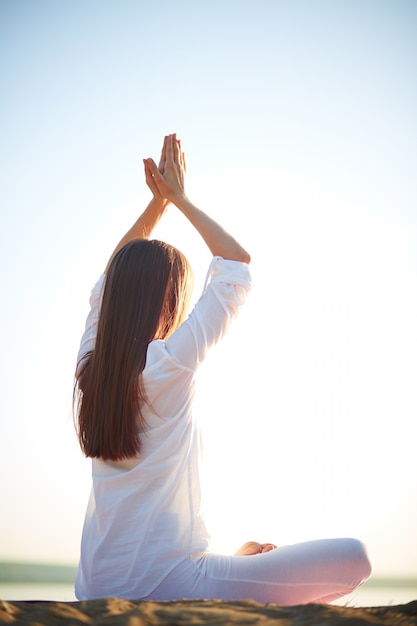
(144, 534)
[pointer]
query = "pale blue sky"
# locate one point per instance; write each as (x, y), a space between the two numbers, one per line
(298, 120)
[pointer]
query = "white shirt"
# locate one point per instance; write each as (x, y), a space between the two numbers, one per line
(141, 522)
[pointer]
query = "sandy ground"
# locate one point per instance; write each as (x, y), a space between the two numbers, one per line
(116, 612)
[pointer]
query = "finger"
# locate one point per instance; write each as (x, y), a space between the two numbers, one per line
(183, 163)
(148, 173)
(155, 177)
(150, 180)
(169, 150)
(267, 547)
(152, 167)
(176, 151)
(163, 155)
(148, 168)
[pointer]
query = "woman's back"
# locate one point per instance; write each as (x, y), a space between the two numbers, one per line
(148, 519)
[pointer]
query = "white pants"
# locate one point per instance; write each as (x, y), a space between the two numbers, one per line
(314, 571)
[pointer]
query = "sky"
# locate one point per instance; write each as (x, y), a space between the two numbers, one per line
(298, 122)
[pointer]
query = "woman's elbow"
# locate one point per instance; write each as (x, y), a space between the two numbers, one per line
(246, 258)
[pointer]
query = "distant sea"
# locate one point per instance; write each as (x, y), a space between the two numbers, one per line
(20, 581)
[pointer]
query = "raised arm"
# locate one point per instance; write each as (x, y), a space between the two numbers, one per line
(145, 224)
(170, 185)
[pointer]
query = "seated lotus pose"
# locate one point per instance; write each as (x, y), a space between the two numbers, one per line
(144, 534)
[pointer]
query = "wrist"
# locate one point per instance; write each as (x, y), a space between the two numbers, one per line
(180, 200)
(159, 203)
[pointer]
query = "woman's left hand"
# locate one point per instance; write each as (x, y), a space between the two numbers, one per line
(150, 180)
(253, 547)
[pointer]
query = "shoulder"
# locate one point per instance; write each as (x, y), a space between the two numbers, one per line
(159, 358)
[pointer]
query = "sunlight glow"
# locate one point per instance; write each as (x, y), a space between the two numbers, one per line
(298, 121)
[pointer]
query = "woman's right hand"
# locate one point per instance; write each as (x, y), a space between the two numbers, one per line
(167, 181)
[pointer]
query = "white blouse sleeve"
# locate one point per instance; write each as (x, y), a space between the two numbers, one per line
(225, 291)
(88, 339)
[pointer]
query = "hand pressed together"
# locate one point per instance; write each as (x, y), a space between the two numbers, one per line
(167, 180)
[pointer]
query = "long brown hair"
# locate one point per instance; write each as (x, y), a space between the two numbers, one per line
(146, 294)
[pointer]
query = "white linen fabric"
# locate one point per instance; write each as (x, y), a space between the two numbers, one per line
(322, 570)
(143, 521)
(144, 534)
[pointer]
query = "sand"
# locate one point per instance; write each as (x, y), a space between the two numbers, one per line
(116, 612)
